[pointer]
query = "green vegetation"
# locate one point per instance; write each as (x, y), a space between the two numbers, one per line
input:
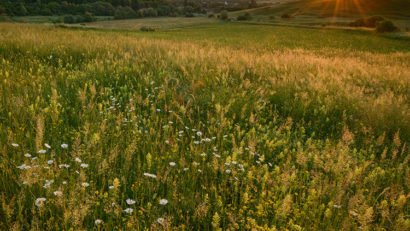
(218, 126)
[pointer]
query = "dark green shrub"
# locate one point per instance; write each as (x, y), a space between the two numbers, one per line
(211, 16)
(124, 13)
(286, 15)
(224, 15)
(100, 8)
(147, 29)
(88, 17)
(244, 17)
(69, 19)
(372, 21)
(386, 26)
(189, 15)
(358, 23)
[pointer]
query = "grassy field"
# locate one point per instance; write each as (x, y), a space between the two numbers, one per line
(326, 12)
(220, 126)
(155, 23)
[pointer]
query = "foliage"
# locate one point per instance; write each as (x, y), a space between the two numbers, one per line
(244, 17)
(224, 15)
(220, 127)
(124, 13)
(386, 26)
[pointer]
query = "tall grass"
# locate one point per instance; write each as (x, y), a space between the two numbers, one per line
(232, 138)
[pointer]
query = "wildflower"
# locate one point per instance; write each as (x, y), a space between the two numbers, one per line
(25, 182)
(63, 165)
(64, 182)
(199, 133)
(203, 154)
(84, 165)
(186, 169)
(150, 175)
(58, 193)
(337, 206)
(28, 155)
(163, 202)
(353, 213)
(228, 171)
(40, 201)
(128, 210)
(167, 141)
(172, 164)
(47, 145)
(160, 220)
(98, 222)
(15, 145)
(65, 146)
(85, 184)
(50, 162)
(196, 142)
(130, 202)
(111, 187)
(42, 151)
(23, 166)
(78, 160)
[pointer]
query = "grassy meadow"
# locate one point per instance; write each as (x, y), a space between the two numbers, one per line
(220, 126)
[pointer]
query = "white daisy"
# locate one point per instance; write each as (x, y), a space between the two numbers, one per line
(58, 193)
(42, 151)
(160, 220)
(28, 155)
(40, 201)
(172, 163)
(163, 202)
(130, 201)
(50, 162)
(47, 145)
(78, 160)
(150, 175)
(128, 210)
(65, 146)
(84, 165)
(15, 145)
(85, 184)
(98, 222)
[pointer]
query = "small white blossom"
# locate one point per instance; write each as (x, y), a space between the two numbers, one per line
(228, 171)
(98, 222)
(85, 184)
(130, 201)
(199, 133)
(58, 193)
(163, 202)
(40, 201)
(84, 165)
(203, 154)
(65, 146)
(78, 160)
(128, 210)
(15, 145)
(172, 163)
(150, 175)
(50, 162)
(111, 187)
(42, 151)
(47, 145)
(160, 220)
(28, 155)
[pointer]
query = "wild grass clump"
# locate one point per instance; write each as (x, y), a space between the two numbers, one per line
(110, 131)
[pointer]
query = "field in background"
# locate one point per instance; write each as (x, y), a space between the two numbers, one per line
(221, 126)
(322, 12)
(155, 23)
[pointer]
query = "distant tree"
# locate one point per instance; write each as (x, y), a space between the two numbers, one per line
(124, 12)
(386, 26)
(69, 19)
(101, 8)
(224, 15)
(21, 10)
(88, 17)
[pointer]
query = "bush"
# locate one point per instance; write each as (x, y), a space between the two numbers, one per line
(372, 21)
(211, 16)
(124, 13)
(69, 19)
(358, 23)
(88, 17)
(189, 15)
(244, 17)
(386, 26)
(147, 29)
(101, 8)
(286, 15)
(224, 15)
